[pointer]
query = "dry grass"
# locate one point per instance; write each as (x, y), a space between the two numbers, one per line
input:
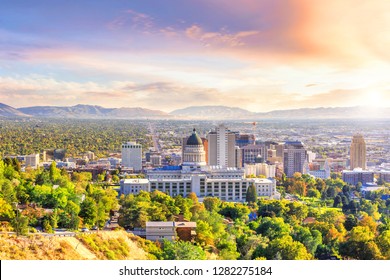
(103, 245)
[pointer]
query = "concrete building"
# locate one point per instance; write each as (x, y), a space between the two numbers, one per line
(158, 231)
(132, 155)
(315, 170)
(257, 169)
(294, 157)
(358, 153)
(251, 152)
(193, 153)
(133, 186)
(358, 175)
(243, 140)
(32, 160)
(384, 176)
(155, 160)
(221, 147)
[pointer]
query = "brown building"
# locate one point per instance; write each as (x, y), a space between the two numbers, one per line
(358, 153)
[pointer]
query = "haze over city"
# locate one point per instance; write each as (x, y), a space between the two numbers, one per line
(166, 55)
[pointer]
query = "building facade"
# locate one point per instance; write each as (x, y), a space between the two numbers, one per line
(221, 147)
(132, 156)
(357, 175)
(294, 157)
(32, 160)
(251, 152)
(358, 153)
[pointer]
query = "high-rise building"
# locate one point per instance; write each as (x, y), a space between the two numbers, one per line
(358, 153)
(132, 155)
(294, 157)
(221, 145)
(243, 140)
(251, 152)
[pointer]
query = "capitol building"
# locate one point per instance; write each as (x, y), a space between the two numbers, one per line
(194, 175)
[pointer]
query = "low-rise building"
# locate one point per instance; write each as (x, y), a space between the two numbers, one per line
(133, 186)
(357, 175)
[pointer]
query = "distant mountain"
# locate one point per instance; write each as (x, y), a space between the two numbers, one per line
(8, 111)
(137, 112)
(195, 112)
(213, 112)
(328, 113)
(92, 112)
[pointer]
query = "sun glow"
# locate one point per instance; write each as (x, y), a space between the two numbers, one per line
(373, 99)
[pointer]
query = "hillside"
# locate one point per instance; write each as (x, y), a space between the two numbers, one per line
(8, 111)
(100, 246)
(212, 112)
(92, 112)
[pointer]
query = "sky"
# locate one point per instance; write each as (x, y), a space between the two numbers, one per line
(259, 55)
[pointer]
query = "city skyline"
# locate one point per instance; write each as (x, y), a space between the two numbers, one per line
(256, 55)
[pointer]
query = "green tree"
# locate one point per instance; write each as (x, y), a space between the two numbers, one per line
(88, 211)
(182, 250)
(283, 248)
(212, 203)
(20, 224)
(273, 228)
(251, 194)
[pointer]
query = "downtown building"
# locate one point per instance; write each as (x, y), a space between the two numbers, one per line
(132, 156)
(224, 182)
(358, 153)
(294, 158)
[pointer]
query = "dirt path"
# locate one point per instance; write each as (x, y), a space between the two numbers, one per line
(80, 248)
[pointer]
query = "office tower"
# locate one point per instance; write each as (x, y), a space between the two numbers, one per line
(221, 144)
(251, 152)
(294, 157)
(358, 152)
(132, 155)
(243, 140)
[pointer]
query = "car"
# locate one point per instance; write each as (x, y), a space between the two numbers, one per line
(84, 229)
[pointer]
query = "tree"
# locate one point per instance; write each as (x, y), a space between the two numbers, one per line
(350, 222)
(383, 241)
(251, 194)
(88, 211)
(20, 224)
(212, 203)
(273, 228)
(6, 211)
(284, 248)
(234, 210)
(182, 250)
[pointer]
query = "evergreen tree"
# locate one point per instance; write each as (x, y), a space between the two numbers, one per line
(251, 193)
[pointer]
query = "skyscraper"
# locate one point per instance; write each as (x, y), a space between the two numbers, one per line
(132, 155)
(358, 152)
(221, 144)
(294, 157)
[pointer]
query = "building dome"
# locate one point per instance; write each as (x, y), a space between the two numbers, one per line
(194, 154)
(194, 139)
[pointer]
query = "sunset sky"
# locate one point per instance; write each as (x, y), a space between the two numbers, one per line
(259, 55)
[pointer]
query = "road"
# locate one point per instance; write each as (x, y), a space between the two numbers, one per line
(156, 144)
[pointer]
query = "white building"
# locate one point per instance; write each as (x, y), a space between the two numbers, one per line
(221, 147)
(133, 186)
(155, 160)
(257, 169)
(132, 155)
(32, 160)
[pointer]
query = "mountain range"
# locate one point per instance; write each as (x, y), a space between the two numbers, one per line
(195, 112)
